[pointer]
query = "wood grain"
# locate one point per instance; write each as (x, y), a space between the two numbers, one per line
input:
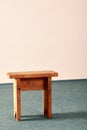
(32, 80)
(32, 74)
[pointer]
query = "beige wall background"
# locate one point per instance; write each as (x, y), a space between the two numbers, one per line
(43, 35)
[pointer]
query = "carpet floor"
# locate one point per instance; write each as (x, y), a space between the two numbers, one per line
(69, 107)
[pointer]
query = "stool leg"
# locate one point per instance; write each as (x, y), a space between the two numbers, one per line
(45, 103)
(17, 98)
(48, 98)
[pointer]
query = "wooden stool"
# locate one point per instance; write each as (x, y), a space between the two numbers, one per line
(32, 80)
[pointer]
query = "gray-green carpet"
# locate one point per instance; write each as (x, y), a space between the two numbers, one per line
(69, 108)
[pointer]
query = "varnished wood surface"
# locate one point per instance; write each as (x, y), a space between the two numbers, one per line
(32, 74)
(31, 84)
(32, 80)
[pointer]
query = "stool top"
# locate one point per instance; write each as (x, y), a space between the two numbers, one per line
(32, 74)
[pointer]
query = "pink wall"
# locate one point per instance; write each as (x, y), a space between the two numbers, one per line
(38, 35)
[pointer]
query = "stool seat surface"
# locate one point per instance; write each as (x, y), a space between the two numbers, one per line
(32, 74)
